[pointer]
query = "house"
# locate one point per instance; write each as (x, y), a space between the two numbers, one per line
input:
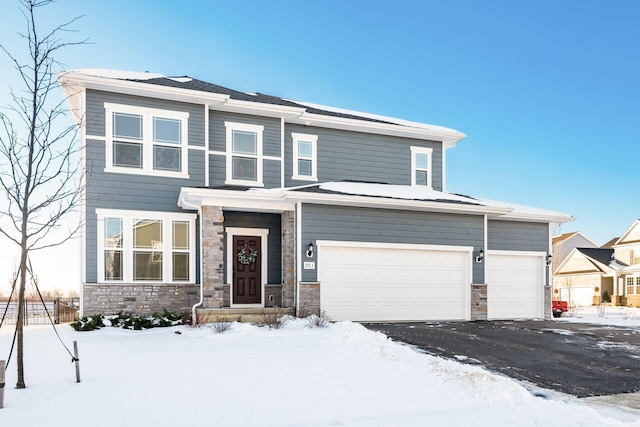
(610, 273)
(206, 199)
(563, 244)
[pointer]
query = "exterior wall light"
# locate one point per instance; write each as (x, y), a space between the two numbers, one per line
(480, 256)
(310, 250)
(549, 259)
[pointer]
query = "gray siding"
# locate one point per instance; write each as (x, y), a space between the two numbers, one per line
(128, 191)
(274, 246)
(518, 236)
(321, 222)
(359, 156)
(218, 142)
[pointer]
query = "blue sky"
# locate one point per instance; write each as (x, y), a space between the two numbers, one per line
(548, 92)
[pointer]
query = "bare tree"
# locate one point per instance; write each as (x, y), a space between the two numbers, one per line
(39, 156)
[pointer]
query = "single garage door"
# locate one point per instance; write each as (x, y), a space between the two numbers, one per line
(577, 296)
(515, 285)
(385, 282)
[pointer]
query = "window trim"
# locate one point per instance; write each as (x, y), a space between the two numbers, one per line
(244, 127)
(147, 141)
(128, 250)
(429, 152)
(297, 137)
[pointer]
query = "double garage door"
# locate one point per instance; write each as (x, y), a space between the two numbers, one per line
(394, 282)
(382, 282)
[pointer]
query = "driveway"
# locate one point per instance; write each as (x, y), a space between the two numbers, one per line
(574, 358)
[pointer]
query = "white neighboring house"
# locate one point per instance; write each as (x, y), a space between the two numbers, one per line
(565, 243)
(627, 261)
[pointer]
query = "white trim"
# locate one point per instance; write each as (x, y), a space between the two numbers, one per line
(206, 145)
(313, 139)
(83, 205)
(244, 127)
(297, 274)
(282, 152)
(263, 233)
(127, 217)
(444, 169)
(272, 158)
(429, 153)
(196, 147)
(96, 137)
(217, 153)
(147, 141)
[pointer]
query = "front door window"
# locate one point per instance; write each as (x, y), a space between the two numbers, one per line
(247, 267)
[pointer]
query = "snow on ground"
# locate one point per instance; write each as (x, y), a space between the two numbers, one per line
(342, 375)
(604, 315)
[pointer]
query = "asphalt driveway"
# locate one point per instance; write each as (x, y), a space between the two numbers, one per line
(574, 358)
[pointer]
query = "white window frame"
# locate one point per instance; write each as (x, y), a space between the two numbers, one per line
(147, 140)
(421, 150)
(128, 249)
(244, 127)
(297, 137)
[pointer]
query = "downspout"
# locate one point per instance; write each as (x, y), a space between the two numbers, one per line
(194, 319)
(298, 268)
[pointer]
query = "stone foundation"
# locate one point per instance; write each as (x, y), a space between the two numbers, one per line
(288, 224)
(478, 302)
(212, 223)
(138, 299)
(309, 298)
(548, 295)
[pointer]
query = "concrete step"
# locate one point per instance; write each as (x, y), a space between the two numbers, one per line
(245, 315)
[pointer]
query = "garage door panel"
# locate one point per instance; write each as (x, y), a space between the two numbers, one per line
(374, 284)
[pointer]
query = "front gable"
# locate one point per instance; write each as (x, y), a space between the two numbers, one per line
(627, 248)
(578, 262)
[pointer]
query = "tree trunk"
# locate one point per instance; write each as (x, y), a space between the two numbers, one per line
(20, 321)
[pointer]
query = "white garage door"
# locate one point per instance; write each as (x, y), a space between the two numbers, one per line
(394, 282)
(515, 285)
(577, 296)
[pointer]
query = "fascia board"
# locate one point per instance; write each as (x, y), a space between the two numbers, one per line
(255, 201)
(560, 219)
(309, 119)
(626, 233)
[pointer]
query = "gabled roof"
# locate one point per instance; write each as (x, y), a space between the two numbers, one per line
(610, 243)
(632, 235)
(600, 259)
(188, 89)
(566, 236)
(603, 256)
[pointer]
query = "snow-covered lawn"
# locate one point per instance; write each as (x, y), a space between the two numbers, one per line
(605, 315)
(342, 375)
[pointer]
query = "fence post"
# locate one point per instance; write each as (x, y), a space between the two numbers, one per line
(2, 368)
(77, 360)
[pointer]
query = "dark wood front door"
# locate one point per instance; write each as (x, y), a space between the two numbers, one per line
(247, 267)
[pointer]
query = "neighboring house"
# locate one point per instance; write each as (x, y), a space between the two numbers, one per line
(565, 243)
(610, 273)
(585, 277)
(205, 198)
(627, 257)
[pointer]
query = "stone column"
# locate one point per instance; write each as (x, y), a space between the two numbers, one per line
(479, 301)
(212, 223)
(548, 296)
(288, 224)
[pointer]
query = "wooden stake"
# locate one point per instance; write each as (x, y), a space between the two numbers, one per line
(77, 360)
(2, 368)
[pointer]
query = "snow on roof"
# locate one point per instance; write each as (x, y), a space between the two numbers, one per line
(381, 118)
(126, 75)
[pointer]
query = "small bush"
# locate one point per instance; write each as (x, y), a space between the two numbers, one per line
(128, 321)
(274, 318)
(220, 327)
(318, 321)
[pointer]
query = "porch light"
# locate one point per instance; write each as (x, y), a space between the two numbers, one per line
(549, 259)
(480, 256)
(310, 250)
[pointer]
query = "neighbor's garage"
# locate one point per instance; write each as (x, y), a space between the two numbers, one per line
(387, 282)
(515, 284)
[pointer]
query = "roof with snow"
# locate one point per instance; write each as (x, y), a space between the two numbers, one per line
(192, 84)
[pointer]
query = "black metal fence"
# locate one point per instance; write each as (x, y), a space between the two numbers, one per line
(61, 310)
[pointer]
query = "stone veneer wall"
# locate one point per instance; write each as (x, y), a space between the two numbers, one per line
(212, 223)
(138, 298)
(478, 302)
(288, 224)
(309, 298)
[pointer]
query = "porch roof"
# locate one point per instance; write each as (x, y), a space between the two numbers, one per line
(361, 194)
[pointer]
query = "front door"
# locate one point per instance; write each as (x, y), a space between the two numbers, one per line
(247, 263)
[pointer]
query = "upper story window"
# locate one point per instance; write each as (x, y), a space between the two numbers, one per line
(146, 141)
(145, 247)
(244, 154)
(305, 156)
(421, 166)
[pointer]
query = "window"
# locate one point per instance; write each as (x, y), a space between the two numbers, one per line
(146, 141)
(421, 166)
(145, 247)
(633, 285)
(304, 157)
(244, 154)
